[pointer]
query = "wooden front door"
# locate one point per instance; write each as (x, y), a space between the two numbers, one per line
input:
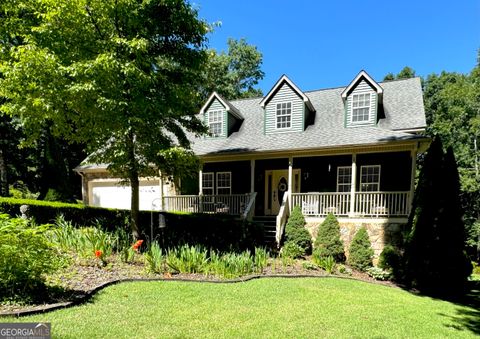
(276, 186)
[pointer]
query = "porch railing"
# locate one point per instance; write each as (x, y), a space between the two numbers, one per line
(234, 204)
(369, 204)
(282, 218)
(322, 203)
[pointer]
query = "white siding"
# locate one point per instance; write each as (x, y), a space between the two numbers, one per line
(362, 88)
(284, 94)
(217, 106)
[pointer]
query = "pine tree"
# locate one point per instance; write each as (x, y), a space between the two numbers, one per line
(361, 252)
(328, 242)
(296, 232)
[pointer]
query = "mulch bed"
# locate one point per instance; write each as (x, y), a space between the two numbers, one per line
(80, 281)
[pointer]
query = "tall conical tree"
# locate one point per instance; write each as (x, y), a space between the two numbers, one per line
(435, 259)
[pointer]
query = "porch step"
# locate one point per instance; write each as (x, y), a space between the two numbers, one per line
(269, 229)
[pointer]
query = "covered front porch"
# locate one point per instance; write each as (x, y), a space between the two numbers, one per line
(377, 182)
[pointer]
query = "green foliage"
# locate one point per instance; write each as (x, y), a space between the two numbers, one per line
(20, 191)
(187, 259)
(361, 252)
(231, 265)
(326, 263)
(308, 265)
(295, 231)
(25, 256)
(123, 72)
(378, 274)
(236, 73)
(155, 259)
(260, 259)
(328, 242)
(291, 250)
(342, 269)
(435, 255)
(390, 259)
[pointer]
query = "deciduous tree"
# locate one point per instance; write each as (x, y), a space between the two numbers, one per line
(121, 76)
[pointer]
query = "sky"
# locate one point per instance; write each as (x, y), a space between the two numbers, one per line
(324, 44)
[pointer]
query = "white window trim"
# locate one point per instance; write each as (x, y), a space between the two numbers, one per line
(224, 187)
(338, 184)
(361, 107)
(210, 122)
(276, 115)
(212, 188)
(379, 177)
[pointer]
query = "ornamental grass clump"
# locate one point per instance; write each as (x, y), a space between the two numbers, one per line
(328, 242)
(187, 259)
(154, 258)
(295, 231)
(361, 252)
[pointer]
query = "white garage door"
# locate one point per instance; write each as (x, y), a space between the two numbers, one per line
(111, 194)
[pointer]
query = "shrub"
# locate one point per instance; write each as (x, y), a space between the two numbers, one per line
(378, 274)
(390, 259)
(361, 252)
(328, 242)
(292, 250)
(295, 231)
(344, 269)
(25, 255)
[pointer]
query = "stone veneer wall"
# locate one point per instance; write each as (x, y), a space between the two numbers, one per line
(381, 232)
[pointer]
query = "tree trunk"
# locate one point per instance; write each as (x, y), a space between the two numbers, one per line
(134, 184)
(3, 175)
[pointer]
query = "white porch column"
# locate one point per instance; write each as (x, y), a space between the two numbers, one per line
(413, 155)
(252, 176)
(290, 179)
(162, 200)
(200, 182)
(354, 184)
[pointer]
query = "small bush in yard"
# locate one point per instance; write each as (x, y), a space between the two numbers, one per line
(328, 242)
(25, 256)
(154, 258)
(296, 232)
(292, 250)
(378, 274)
(361, 252)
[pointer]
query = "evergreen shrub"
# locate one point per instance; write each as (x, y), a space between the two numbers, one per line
(328, 242)
(295, 231)
(361, 252)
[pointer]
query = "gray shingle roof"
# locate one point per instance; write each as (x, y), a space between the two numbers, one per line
(403, 110)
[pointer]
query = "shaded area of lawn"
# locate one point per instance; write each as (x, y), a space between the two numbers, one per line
(276, 307)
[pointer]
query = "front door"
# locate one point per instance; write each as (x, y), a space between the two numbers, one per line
(276, 186)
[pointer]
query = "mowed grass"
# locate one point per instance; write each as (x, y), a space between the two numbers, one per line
(263, 308)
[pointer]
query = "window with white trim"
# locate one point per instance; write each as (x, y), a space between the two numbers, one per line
(284, 115)
(360, 107)
(207, 183)
(344, 178)
(370, 178)
(224, 182)
(215, 122)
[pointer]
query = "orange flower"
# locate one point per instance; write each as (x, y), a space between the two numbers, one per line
(98, 253)
(137, 245)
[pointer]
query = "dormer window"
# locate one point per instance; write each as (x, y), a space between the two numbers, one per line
(284, 115)
(215, 123)
(361, 107)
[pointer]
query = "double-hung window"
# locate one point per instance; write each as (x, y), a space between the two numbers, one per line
(215, 122)
(224, 183)
(284, 115)
(207, 183)
(370, 178)
(344, 178)
(360, 107)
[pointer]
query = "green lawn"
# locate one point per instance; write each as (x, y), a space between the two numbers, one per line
(274, 308)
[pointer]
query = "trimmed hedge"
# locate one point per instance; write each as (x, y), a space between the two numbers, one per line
(221, 232)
